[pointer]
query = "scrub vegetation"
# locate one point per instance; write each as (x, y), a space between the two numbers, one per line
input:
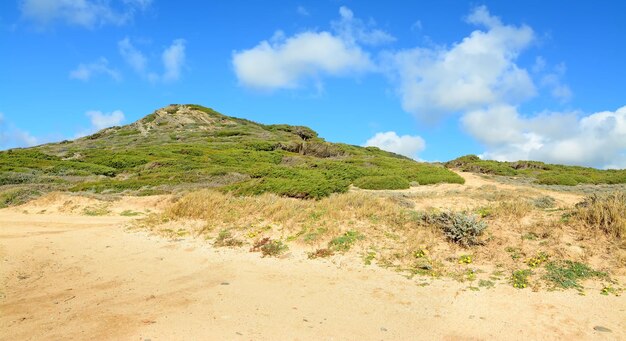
(183, 147)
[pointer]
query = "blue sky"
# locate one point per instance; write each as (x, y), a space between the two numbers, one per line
(432, 80)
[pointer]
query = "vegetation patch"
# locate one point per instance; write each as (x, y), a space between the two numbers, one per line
(344, 242)
(458, 227)
(567, 274)
(269, 247)
(605, 213)
(541, 173)
(382, 182)
(226, 239)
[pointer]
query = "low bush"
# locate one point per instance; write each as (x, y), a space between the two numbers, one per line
(459, 228)
(382, 182)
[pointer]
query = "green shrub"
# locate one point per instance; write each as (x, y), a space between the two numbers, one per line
(382, 182)
(17, 196)
(458, 227)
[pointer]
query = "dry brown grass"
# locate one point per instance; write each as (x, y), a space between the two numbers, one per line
(604, 213)
(394, 229)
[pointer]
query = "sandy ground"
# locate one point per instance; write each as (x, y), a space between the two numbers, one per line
(73, 277)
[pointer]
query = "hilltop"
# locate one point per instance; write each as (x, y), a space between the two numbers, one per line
(189, 146)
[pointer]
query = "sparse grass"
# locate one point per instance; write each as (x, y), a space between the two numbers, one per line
(269, 247)
(321, 253)
(544, 202)
(344, 242)
(96, 211)
(568, 274)
(226, 239)
(17, 196)
(130, 213)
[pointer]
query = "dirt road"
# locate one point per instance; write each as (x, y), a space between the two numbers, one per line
(66, 277)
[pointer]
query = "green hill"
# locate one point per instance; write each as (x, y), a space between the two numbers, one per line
(542, 173)
(183, 147)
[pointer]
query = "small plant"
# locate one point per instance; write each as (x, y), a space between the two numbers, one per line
(226, 239)
(420, 253)
(484, 212)
(458, 227)
(486, 284)
(544, 202)
(465, 259)
(609, 290)
(344, 242)
(369, 257)
(129, 213)
(273, 248)
(519, 278)
(536, 261)
(530, 236)
(568, 274)
(515, 252)
(321, 253)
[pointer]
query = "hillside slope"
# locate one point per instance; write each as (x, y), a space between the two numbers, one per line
(190, 146)
(541, 173)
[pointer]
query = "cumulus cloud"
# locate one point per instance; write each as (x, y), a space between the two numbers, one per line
(287, 62)
(173, 59)
(406, 145)
(353, 29)
(85, 72)
(133, 57)
(85, 13)
(597, 140)
(477, 71)
(12, 137)
(100, 120)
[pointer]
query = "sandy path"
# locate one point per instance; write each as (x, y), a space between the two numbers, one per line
(72, 277)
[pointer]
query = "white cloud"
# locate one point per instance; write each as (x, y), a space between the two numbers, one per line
(100, 120)
(597, 140)
(406, 145)
(285, 63)
(86, 13)
(173, 60)
(12, 137)
(84, 72)
(303, 11)
(553, 81)
(288, 62)
(355, 30)
(480, 70)
(132, 56)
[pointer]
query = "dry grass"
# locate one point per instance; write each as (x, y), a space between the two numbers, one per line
(395, 233)
(604, 213)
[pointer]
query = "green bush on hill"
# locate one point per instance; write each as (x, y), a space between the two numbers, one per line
(545, 174)
(382, 182)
